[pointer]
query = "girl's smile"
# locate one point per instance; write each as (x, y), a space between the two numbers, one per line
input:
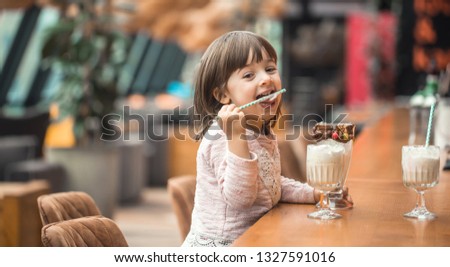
(267, 103)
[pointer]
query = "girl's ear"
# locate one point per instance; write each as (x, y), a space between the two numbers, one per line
(222, 97)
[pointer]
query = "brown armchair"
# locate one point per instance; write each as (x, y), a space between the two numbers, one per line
(293, 153)
(90, 231)
(65, 206)
(182, 192)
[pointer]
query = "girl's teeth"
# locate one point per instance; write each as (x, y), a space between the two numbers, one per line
(263, 95)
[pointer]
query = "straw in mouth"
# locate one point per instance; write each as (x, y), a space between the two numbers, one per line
(262, 99)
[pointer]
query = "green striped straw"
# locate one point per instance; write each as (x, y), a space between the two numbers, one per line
(264, 98)
(430, 120)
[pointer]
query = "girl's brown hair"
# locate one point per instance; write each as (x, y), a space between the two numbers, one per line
(224, 56)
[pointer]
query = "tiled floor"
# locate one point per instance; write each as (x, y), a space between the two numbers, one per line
(150, 222)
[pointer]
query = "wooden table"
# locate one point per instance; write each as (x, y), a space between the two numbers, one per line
(375, 183)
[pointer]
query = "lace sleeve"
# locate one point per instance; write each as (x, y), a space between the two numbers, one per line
(293, 191)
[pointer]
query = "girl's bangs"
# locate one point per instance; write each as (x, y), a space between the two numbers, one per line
(242, 49)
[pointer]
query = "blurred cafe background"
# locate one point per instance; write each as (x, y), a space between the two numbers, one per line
(96, 95)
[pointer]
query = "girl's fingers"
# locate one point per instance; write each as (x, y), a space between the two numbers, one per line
(349, 199)
(231, 107)
(346, 195)
(345, 190)
(229, 110)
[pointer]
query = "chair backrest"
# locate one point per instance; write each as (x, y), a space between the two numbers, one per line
(65, 206)
(182, 192)
(90, 231)
(32, 122)
(293, 154)
(15, 149)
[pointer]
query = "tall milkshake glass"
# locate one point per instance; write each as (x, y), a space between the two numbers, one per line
(420, 170)
(325, 172)
(341, 134)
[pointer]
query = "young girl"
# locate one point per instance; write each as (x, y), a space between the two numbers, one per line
(238, 162)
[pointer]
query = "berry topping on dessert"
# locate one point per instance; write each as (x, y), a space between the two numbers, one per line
(341, 132)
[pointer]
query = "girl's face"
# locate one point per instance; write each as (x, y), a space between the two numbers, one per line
(255, 80)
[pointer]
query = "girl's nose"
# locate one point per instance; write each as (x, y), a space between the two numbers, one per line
(266, 79)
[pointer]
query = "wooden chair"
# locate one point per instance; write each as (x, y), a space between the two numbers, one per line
(182, 192)
(90, 231)
(63, 206)
(293, 153)
(20, 225)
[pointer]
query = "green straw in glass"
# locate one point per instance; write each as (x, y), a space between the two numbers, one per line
(430, 120)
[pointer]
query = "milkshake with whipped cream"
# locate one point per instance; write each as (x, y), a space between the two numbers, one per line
(325, 165)
(337, 135)
(325, 171)
(420, 168)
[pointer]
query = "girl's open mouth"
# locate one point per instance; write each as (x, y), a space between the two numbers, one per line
(265, 94)
(269, 102)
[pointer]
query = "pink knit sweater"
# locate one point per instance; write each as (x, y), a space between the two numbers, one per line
(232, 193)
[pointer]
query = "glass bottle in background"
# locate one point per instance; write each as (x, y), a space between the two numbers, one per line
(430, 97)
(420, 104)
(442, 122)
(415, 106)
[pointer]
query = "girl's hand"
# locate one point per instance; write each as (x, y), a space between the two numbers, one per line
(346, 196)
(232, 120)
(317, 195)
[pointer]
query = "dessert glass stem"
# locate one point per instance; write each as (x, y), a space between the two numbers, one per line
(324, 212)
(420, 211)
(420, 204)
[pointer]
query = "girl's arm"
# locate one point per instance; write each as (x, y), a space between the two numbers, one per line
(297, 192)
(235, 176)
(232, 120)
(238, 181)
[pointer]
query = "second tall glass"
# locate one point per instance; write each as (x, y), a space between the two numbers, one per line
(420, 170)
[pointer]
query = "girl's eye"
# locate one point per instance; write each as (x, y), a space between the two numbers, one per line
(248, 75)
(271, 69)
